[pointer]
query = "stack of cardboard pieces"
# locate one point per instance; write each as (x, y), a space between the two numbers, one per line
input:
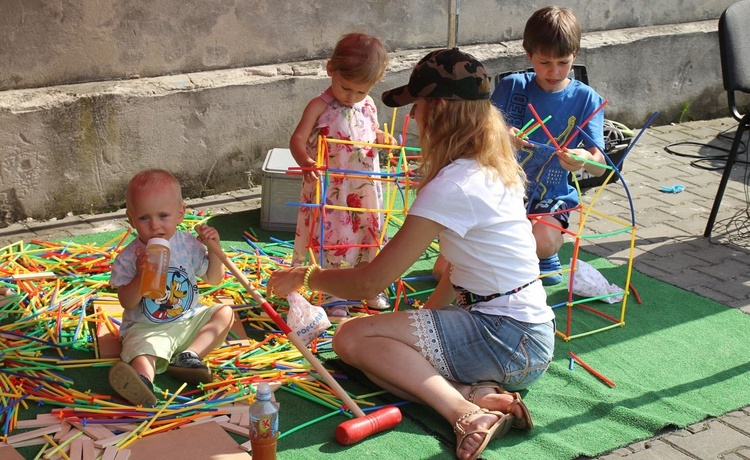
(204, 438)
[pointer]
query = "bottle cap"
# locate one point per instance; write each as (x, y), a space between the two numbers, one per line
(263, 393)
(159, 241)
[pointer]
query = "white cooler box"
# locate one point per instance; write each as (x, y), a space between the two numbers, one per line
(279, 188)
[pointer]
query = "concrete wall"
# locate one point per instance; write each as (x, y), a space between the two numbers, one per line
(230, 78)
(45, 43)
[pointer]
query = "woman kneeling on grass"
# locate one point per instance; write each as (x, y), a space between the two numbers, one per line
(465, 361)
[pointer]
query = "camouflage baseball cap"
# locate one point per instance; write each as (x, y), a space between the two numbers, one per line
(447, 74)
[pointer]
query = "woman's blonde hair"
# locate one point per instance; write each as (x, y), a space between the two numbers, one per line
(451, 130)
(359, 58)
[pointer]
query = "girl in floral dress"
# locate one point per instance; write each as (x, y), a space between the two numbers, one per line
(343, 111)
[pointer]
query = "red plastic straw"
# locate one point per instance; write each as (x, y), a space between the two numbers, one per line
(591, 370)
(544, 127)
(585, 122)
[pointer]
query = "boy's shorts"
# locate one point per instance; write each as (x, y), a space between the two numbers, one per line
(550, 206)
(163, 340)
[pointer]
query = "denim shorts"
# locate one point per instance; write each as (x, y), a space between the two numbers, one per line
(470, 347)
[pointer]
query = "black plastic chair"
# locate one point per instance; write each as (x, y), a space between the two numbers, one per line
(734, 47)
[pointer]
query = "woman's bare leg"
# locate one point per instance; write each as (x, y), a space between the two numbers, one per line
(405, 372)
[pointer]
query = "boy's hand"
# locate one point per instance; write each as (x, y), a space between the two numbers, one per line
(595, 163)
(515, 140)
(215, 271)
(206, 233)
(141, 261)
(568, 162)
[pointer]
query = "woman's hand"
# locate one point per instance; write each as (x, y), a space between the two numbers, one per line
(287, 280)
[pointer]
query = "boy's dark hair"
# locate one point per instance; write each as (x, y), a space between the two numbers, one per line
(553, 31)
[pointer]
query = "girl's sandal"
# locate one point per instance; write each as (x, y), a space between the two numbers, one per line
(523, 423)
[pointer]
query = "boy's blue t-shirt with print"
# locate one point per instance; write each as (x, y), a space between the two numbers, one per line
(570, 107)
(187, 260)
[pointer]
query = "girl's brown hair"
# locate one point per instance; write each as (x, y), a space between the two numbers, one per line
(359, 58)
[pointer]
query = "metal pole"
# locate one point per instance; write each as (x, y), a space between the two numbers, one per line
(455, 6)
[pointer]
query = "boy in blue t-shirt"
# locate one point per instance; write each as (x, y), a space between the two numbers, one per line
(552, 39)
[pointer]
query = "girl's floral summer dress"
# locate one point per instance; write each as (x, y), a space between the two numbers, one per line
(351, 235)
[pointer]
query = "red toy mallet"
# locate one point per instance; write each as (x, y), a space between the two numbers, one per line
(351, 431)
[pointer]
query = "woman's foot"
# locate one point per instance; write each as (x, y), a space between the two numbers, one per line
(492, 396)
(474, 430)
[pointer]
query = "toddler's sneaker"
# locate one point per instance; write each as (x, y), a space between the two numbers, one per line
(187, 367)
(550, 265)
(131, 386)
(379, 303)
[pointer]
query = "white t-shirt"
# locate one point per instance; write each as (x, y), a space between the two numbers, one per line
(487, 239)
(187, 259)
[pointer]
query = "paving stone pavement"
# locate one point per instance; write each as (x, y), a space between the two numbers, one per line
(669, 246)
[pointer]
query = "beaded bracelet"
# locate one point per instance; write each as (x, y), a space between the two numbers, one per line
(306, 279)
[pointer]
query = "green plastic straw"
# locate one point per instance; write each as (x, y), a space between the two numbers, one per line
(308, 423)
(537, 127)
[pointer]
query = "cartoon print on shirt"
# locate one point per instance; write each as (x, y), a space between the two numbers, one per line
(175, 302)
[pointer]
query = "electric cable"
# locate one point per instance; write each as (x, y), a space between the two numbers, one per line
(736, 227)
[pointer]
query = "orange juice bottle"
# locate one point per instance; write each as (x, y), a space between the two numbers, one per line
(264, 424)
(154, 277)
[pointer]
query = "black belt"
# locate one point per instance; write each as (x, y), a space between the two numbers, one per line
(464, 297)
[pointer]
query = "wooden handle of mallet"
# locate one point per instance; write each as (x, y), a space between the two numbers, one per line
(343, 395)
(350, 431)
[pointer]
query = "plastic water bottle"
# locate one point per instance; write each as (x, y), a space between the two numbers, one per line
(154, 277)
(264, 424)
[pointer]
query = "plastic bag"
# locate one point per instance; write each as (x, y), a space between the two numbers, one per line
(305, 320)
(588, 282)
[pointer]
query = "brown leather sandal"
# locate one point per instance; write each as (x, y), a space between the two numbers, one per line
(523, 423)
(495, 431)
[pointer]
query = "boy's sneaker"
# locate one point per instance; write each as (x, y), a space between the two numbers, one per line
(188, 367)
(379, 303)
(131, 385)
(550, 265)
